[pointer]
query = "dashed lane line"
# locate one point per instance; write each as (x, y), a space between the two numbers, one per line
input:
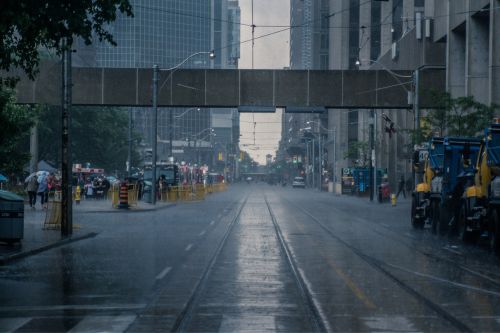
(163, 273)
(188, 247)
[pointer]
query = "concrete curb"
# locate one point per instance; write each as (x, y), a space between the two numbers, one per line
(5, 259)
(125, 210)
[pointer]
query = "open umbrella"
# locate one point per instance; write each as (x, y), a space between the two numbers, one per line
(38, 174)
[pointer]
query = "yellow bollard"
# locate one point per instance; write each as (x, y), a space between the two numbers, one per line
(393, 199)
(77, 194)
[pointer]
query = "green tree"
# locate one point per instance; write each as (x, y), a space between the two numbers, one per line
(99, 136)
(358, 152)
(16, 121)
(461, 116)
(27, 25)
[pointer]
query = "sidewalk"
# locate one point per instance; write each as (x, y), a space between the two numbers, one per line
(37, 240)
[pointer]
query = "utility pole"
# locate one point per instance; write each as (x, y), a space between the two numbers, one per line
(155, 133)
(129, 158)
(171, 132)
(308, 163)
(313, 160)
(66, 165)
(371, 164)
(374, 150)
(416, 104)
(320, 162)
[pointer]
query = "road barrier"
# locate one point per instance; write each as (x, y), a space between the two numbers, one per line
(53, 215)
(123, 196)
(116, 192)
(183, 193)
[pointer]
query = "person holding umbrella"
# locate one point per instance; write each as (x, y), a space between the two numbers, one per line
(43, 191)
(32, 187)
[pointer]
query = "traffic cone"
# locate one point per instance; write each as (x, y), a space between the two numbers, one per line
(77, 194)
(123, 196)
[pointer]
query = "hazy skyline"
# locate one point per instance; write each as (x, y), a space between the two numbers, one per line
(269, 53)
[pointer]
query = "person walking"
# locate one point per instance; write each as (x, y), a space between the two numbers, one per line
(32, 188)
(43, 191)
(401, 187)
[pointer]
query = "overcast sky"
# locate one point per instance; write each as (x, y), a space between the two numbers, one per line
(269, 53)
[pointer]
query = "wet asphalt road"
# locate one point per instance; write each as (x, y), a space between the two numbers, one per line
(255, 258)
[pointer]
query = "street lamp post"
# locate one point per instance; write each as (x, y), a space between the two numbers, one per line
(321, 145)
(195, 137)
(156, 71)
(373, 125)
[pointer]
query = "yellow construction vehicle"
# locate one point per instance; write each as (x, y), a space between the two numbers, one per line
(427, 163)
(479, 210)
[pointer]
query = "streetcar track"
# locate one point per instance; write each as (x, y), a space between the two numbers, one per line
(185, 315)
(165, 274)
(313, 312)
(428, 254)
(438, 258)
(377, 264)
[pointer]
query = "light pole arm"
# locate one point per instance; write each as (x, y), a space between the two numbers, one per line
(173, 69)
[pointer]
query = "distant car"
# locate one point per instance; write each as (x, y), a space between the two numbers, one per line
(249, 179)
(298, 182)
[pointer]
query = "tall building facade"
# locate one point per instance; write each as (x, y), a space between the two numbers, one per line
(166, 33)
(459, 37)
(309, 49)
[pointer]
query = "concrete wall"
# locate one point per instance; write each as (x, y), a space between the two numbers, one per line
(477, 57)
(339, 39)
(440, 20)
(494, 73)
(455, 69)
(414, 53)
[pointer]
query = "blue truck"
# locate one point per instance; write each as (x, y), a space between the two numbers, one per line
(479, 207)
(459, 154)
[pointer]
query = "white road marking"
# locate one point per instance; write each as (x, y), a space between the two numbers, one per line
(212, 223)
(390, 324)
(202, 233)
(188, 247)
(103, 324)
(163, 273)
(450, 249)
(12, 324)
(385, 225)
(453, 283)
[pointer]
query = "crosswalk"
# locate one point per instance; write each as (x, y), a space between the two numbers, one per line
(93, 323)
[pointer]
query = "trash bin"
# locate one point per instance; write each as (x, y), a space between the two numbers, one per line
(11, 217)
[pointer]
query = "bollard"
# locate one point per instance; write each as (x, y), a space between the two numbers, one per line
(123, 196)
(393, 199)
(77, 194)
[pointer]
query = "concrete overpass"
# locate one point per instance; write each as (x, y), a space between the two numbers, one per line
(296, 89)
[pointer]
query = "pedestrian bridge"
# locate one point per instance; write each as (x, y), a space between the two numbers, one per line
(252, 90)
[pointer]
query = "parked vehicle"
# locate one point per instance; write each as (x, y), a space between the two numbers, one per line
(426, 197)
(479, 211)
(447, 170)
(299, 182)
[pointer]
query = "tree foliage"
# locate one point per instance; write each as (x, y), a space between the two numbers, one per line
(16, 122)
(461, 116)
(99, 136)
(358, 152)
(27, 25)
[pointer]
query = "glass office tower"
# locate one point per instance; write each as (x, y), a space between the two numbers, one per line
(165, 32)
